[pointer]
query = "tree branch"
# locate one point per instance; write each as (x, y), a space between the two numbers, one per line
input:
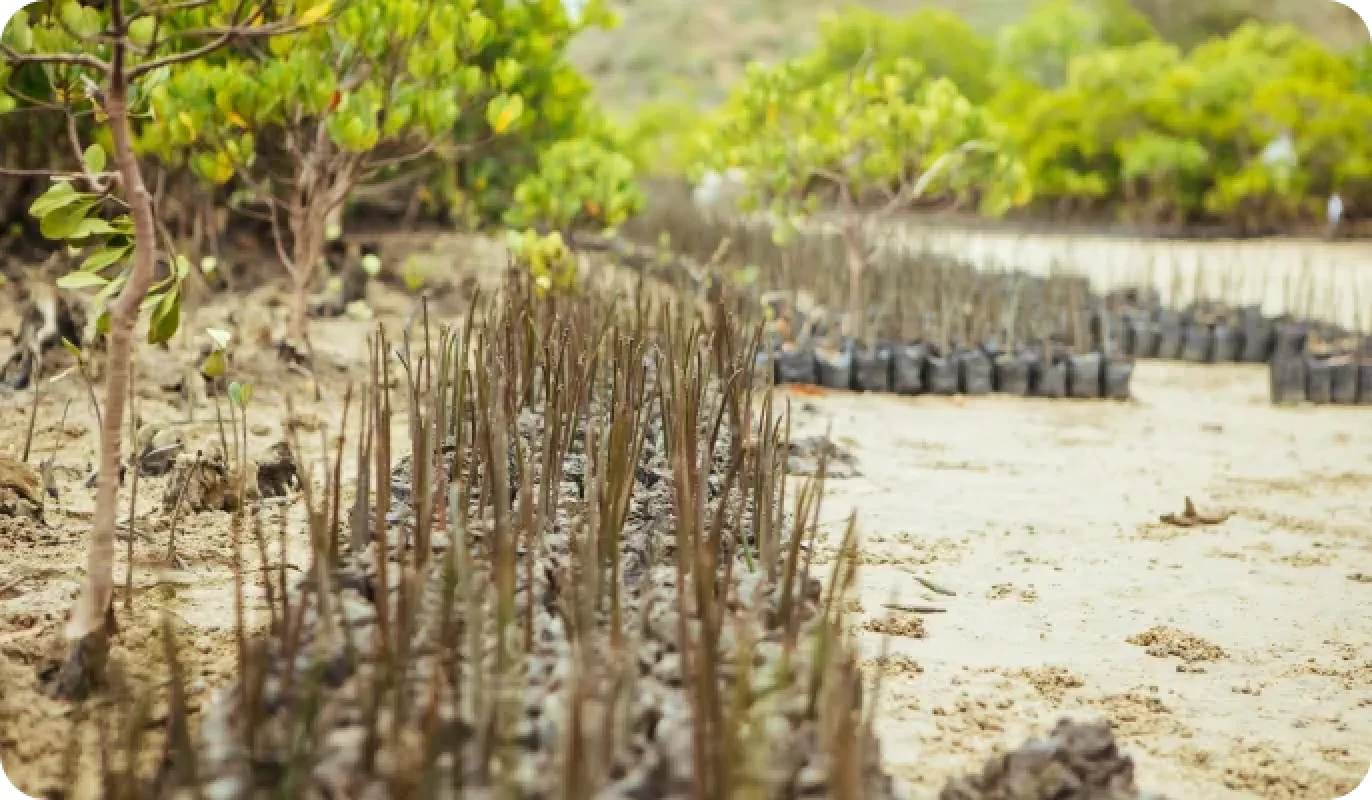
(911, 192)
(50, 173)
(74, 139)
(238, 29)
(62, 59)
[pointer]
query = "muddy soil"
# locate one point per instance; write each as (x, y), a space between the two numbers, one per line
(1043, 517)
(1234, 660)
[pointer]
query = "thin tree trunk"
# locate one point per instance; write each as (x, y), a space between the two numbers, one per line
(88, 620)
(855, 245)
(307, 249)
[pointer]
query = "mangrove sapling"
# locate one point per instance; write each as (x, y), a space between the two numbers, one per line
(1226, 340)
(1319, 374)
(104, 57)
(190, 474)
(213, 370)
(1083, 364)
(1051, 375)
(137, 460)
(908, 361)
(33, 420)
(941, 366)
(83, 369)
(47, 467)
(1012, 370)
(975, 376)
(1197, 340)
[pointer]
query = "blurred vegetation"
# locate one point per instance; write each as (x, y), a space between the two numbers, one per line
(693, 50)
(1153, 113)
(471, 106)
(1102, 117)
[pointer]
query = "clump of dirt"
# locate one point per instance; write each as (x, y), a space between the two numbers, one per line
(278, 474)
(199, 483)
(1001, 591)
(1077, 762)
(1161, 641)
(804, 455)
(894, 664)
(1260, 771)
(909, 626)
(208, 484)
(20, 489)
(1052, 682)
(1135, 714)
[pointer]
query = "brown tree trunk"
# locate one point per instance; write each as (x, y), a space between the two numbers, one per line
(306, 250)
(87, 626)
(855, 245)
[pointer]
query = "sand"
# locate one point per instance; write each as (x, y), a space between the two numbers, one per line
(1252, 671)
(1235, 659)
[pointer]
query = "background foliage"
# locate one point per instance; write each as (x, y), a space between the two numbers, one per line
(1098, 110)
(1094, 114)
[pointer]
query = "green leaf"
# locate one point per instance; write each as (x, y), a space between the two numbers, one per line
(59, 195)
(71, 348)
(504, 111)
(141, 31)
(183, 267)
(240, 394)
(65, 221)
(101, 259)
(112, 287)
(75, 18)
(478, 28)
(91, 227)
(214, 366)
(94, 158)
(81, 280)
(371, 264)
(165, 318)
(102, 323)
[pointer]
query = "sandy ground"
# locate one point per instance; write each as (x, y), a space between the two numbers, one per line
(1234, 659)
(1256, 679)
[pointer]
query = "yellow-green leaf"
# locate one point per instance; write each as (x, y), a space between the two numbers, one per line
(81, 280)
(186, 120)
(141, 31)
(94, 158)
(101, 259)
(60, 194)
(215, 365)
(91, 227)
(504, 111)
(63, 222)
(315, 14)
